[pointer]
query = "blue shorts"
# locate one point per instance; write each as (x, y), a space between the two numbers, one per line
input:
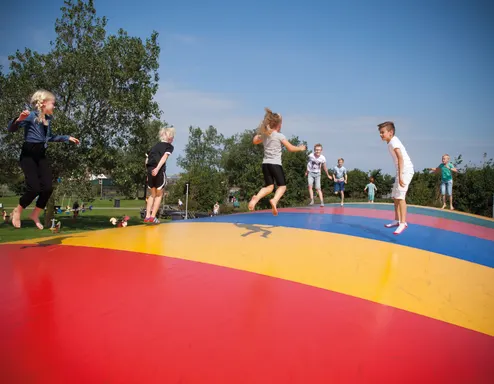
(371, 197)
(339, 186)
(447, 187)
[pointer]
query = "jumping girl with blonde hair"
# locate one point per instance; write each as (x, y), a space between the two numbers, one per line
(33, 161)
(269, 135)
(156, 172)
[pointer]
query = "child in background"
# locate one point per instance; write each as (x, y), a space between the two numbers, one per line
(446, 167)
(340, 179)
(156, 169)
(404, 174)
(371, 188)
(316, 160)
(269, 135)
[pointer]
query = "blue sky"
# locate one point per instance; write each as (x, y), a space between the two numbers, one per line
(334, 69)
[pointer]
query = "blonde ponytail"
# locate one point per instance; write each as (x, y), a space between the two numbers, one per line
(269, 123)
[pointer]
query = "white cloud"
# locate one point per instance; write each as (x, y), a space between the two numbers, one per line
(354, 138)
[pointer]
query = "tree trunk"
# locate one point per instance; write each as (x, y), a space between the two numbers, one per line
(50, 211)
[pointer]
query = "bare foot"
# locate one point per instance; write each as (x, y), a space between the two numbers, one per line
(273, 207)
(35, 218)
(16, 218)
(444, 206)
(253, 202)
(451, 208)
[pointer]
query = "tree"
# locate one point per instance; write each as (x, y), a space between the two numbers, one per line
(242, 161)
(203, 169)
(104, 85)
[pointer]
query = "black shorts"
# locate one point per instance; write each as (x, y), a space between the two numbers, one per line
(273, 173)
(158, 181)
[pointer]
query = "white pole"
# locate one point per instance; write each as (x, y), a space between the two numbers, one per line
(186, 200)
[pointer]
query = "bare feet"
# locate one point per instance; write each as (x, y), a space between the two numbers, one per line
(16, 218)
(34, 217)
(444, 206)
(253, 202)
(273, 207)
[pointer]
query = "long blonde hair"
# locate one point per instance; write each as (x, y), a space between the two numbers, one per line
(37, 100)
(269, 123)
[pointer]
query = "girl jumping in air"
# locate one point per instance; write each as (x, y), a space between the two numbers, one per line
(269, 135)
(33, 161)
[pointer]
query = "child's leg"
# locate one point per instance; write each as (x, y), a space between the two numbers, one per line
(30, 169)
(46, 189)
(157, 202)
(450, 193)
(311, 195)
(280, 191)
(443, 194)
(319, 192)
(149, 206)
(402, 209)
(318, 189)
(262, 193)
(279, 176)
(268, 170)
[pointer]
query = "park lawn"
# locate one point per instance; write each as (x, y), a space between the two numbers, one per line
(87, 221)
(11, 202)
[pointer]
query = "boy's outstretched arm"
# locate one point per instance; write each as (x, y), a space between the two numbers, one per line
(435, 170)
(293, 148)
(257, 139)
(160, 164)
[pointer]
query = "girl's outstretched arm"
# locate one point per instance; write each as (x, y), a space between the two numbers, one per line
(293, 148)
(257, 139)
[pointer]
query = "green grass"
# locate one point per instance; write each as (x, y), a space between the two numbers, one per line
(12, 201)
(88, 221)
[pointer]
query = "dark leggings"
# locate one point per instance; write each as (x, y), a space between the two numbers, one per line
(38, 180)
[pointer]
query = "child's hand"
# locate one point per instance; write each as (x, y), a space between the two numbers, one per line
(400, 181)
(155, 171)
(306, 174)
(302, 147)
(23, 115)
(74, 140)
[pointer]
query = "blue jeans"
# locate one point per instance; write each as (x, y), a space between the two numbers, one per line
(447, 187)
(339, 186)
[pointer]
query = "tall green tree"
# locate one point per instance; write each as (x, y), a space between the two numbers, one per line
(104, 86)
(203, 169)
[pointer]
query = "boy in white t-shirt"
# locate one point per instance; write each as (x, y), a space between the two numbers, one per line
(313, 172)
(404, 174)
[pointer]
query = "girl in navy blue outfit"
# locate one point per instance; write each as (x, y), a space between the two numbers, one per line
(33, 161)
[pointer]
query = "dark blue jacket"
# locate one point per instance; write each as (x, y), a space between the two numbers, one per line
(34, 131)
